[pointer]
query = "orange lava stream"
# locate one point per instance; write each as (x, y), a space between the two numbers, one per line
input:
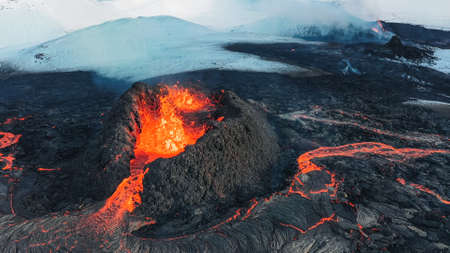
(8, 139)
(164, 133)
(431, 192)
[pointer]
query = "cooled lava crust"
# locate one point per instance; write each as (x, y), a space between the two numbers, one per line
(231, 163)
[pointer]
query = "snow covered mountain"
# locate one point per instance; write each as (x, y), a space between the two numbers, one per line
(136, 49)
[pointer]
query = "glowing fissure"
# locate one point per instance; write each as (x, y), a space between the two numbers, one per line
(317, 224)
(424, 189)
(48, 170)
(8, 139)
(164, 133)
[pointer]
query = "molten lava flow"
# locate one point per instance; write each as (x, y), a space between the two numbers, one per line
(8, 161)
(124, 200)
(8, 139)
(164, 133)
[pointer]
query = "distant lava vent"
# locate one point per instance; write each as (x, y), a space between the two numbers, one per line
(200, 152)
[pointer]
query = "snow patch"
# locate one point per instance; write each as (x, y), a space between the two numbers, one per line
(443, 62)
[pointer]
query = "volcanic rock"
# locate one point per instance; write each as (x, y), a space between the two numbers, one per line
(398, 49)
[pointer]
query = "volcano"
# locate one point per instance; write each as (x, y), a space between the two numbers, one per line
(214, 151)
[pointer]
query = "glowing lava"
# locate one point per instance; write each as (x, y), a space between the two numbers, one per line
(11, 120)
(424, 189)
(48, 170)
(164, 133)
(8, 139)
(317, 224)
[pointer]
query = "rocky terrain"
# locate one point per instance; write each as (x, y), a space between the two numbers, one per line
(359, 170)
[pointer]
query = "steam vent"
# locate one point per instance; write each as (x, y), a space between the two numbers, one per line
(200, 152)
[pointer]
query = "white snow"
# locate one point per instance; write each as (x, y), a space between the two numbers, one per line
(136, 49)
(443, 62)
